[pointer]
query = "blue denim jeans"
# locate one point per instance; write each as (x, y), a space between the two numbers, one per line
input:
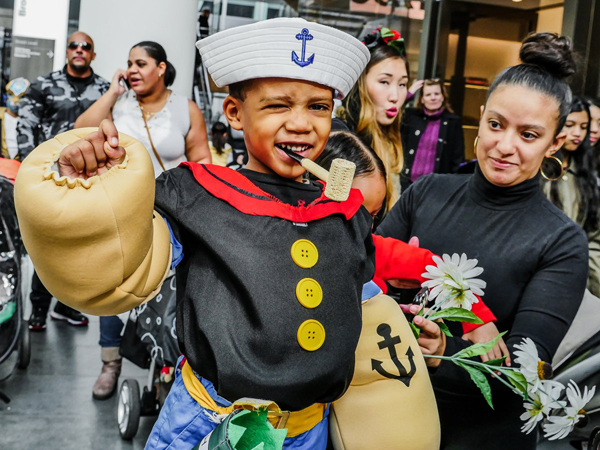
(183, 423)
(110, 331)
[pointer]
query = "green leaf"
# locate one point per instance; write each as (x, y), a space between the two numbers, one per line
(478, 349)
(415, 329)
(480, 380)
(386, 32)
(456, 315)
(517, 379)
(495, 362)
(444, 328)
(421, 311)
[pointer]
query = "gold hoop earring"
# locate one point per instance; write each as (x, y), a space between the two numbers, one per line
(562, 169)
(475, 146)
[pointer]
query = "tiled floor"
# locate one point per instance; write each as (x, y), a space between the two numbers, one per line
(51, 401)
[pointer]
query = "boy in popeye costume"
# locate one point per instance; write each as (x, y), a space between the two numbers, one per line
(270, 272)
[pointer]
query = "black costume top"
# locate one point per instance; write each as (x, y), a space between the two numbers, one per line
(239, 315)
(535, 265)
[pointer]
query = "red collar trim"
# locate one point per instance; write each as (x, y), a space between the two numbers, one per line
(237, 190)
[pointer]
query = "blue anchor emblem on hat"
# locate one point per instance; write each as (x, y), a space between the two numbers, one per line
(303, 36)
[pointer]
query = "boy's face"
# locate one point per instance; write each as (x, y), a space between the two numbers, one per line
(278, 112)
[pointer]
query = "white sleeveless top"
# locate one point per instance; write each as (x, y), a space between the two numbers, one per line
(168, 127)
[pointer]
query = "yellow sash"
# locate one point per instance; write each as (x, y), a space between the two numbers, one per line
(296, 422)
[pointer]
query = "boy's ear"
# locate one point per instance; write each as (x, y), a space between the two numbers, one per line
(232, 107)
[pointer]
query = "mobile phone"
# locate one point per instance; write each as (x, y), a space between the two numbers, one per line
(123, 82)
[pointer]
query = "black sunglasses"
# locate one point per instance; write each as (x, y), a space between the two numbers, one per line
(84, 45)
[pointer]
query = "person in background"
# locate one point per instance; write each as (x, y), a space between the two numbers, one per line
(15, 90)
(50, 107)
(141, 105)
(432, 136)
(594, 104)
(220, 150)
(372, 109)
(203, 25)
(575, 188)
(535, 258)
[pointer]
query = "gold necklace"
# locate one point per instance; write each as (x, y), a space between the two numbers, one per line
(147, 114)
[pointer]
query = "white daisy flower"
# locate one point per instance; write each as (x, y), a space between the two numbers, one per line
(559, 427)
(540, 405)
(452, 281)
(534, 369)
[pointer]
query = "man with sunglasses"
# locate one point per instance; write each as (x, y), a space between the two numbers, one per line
(54, 101)
(50, 107)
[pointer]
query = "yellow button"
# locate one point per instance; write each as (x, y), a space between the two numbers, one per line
(309, 293)
(304, 253)
(311, 335)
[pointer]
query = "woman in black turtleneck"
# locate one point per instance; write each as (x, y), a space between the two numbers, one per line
(534, 256)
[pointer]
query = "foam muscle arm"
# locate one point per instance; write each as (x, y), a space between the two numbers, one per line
(96, 244)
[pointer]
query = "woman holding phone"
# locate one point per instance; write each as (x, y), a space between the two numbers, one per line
(141, 104)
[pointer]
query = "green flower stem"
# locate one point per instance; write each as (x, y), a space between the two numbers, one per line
(435, 308)
(554, 400)
(499, 378)
(502, 380)
(479, 365)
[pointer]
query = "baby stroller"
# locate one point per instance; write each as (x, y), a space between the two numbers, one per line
(14, 333)
(580, 362)
(149, 341)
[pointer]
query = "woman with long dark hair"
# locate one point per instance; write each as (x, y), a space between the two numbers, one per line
(575, 189)
(535, 258)
(373, 108)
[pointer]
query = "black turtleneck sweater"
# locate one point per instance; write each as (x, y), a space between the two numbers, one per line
(535, 262)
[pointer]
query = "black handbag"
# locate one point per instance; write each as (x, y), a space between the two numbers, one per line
(150, 330)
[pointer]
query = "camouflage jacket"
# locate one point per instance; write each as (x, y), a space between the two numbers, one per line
(51, 106)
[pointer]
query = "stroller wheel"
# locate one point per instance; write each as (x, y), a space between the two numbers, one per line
(594, 442)
(128, 409)
(24, 347)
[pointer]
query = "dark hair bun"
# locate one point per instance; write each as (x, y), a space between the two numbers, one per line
(550, 52)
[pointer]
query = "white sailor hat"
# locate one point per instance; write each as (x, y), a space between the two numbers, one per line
(285, 48)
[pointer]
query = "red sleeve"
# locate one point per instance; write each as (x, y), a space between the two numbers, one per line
(481, 310)
(381, 283)
(396, 260)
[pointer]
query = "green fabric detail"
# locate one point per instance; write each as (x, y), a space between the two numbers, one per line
(246, 430)
(8, 312)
